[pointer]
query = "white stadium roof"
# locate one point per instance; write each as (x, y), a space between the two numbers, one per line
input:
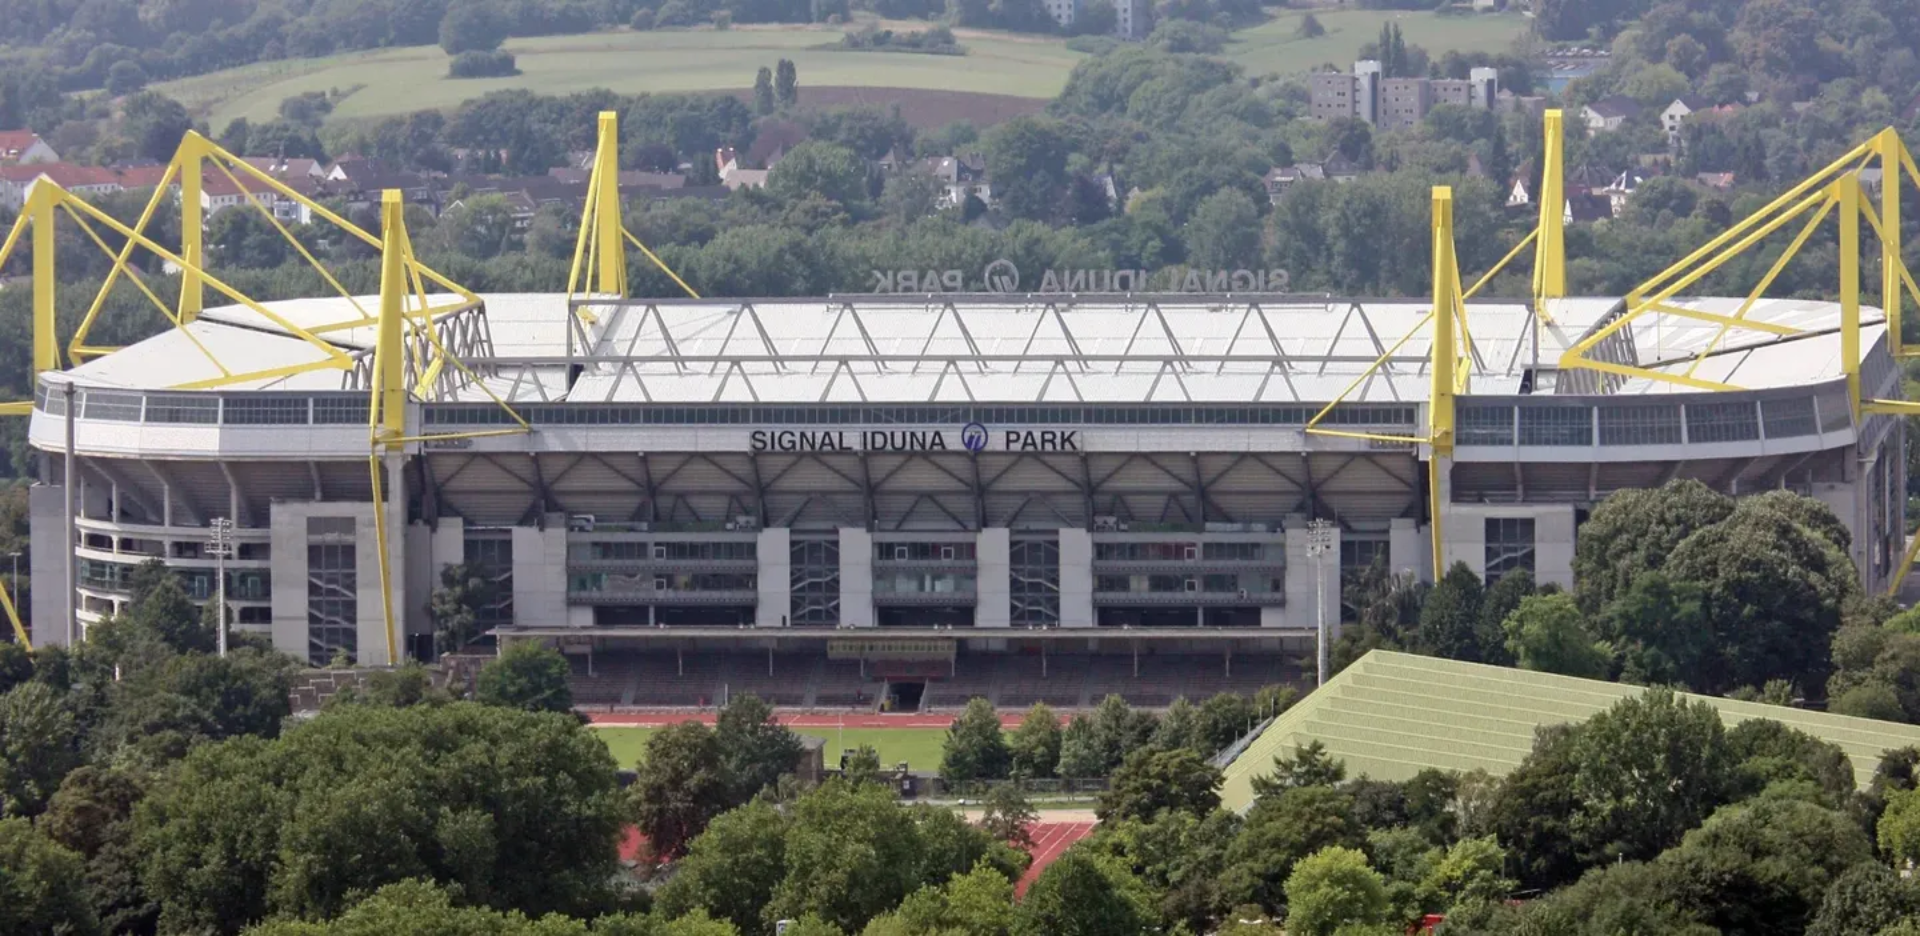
(1094, 349)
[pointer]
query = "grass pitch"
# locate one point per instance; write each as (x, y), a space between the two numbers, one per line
(1272, 47)
(919, 747)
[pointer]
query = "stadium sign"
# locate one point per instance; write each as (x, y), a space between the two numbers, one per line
(1001, 276)
(972, 437)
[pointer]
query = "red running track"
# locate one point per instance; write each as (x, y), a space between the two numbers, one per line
(795, 719)
(1050, 841)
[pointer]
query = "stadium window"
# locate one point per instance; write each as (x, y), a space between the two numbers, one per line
(1722, 422)
(1782, 419)
(1509, 546)
(1556, 425)
(1657, 424)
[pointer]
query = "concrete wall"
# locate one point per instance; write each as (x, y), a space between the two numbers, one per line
(540, 574)
(1303, 597)
(993, 586)
(856, 577)
(1410, 549)
(1076, 578)
(1464, 533)
(288, 525)
(775, 551)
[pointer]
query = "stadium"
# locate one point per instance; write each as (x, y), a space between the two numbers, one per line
(914, 500)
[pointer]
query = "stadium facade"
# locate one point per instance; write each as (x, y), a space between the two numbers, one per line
(981, 468)
(949, 488)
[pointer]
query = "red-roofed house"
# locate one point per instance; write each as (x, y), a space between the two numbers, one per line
(21, 147)
(17, 181)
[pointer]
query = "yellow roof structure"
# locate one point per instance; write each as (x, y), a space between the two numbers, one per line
(1391, 715)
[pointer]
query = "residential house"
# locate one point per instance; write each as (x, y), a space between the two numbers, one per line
(1608, 113)
(24, 147)
(1063, 11)
(1281, 178)
(1520, 187)
(1722, 181)
(1622, 188)
(959, 177)
(1675, 117)
(1396, 102)
(1585, 206)
(1533, 105)
(17, 181)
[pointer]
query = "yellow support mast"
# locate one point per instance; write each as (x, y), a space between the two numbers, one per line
(1550, 244)
(46, 344)
(389, 412)
(1889, 148)
(1846, 193)
(190, 159)
(1446, 304)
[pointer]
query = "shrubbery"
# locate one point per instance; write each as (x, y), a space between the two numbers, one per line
(495, 64)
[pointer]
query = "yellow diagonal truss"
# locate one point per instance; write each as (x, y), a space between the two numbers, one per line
(600, 250)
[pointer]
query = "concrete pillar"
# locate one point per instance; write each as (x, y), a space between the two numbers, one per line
(1463, 530)
(448, 546)
(540, 574)
(287, 536)
(775, 552)
(49, 549)
(1410, 549)
(421, 577)
(1553, 535)
(993, 585)
(1076, 578)
(374, 652)
(1844, 499)
(856, 577)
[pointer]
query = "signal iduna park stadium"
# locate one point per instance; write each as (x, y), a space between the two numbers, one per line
(1025, 497)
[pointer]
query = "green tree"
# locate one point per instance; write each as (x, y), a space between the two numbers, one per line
(786, 85)
(1309, 28)
(464, 592)
(480, 226)
(1179, 727)
(1224, 717)
(519, 809)
(1279, 831)
(1030, 154)
(154, 124)
(1470, 871)
(682, 784)
(1546, 633)
(1080, 753)
(39, 743)
(125, 77)
(977, 903)
(1152, 780)
(1656, 734)
(1450, 620)
(1308, 765)
(1633, 531)
(1772, 587)
(732, 868)
(1865, 900)
(1779, 853)
(1767, 752)
(756, 748)
(1082, 894)
(42, 885)
(1224, 232)
(472, 26)
(1502, 598)
(1008, 816)
(1898, 830)
(1035, 745)
(1332, 888)
(975, 748)
(92, 814)
(526, 675)
(828, 170)
(852, 854)
(763, 91)
(1658, 628)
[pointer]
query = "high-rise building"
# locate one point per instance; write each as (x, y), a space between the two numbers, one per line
(1396, 102)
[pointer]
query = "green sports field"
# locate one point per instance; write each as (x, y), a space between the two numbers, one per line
(398, 81)
(919, 747)
(1273, 48)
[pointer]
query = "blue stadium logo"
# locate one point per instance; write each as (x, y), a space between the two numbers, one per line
(973, 437)
(1001, 276)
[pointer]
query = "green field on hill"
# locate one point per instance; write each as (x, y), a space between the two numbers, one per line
(398, 81)
(1273, 48)
(919, 747)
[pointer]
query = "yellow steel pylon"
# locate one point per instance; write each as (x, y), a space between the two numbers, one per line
(599, 253)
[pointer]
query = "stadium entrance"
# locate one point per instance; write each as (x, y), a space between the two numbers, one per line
(903, 697)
